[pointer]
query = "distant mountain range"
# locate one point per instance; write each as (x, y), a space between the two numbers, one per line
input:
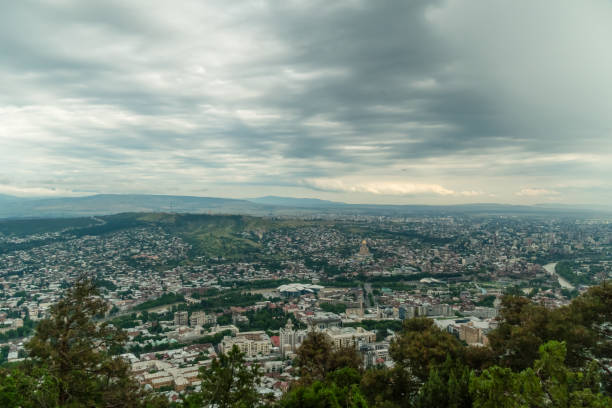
(295, 202)
(103, 204)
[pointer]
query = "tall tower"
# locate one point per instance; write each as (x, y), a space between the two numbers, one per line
(287, 338)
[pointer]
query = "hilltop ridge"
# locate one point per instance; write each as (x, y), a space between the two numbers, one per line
(106, 204)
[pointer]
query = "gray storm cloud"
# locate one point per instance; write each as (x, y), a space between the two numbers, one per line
(386, 101)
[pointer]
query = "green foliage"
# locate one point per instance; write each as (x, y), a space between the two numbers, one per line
(228, 383)
(394, 325)
(137, 349)
(333, 308)
(422, 346)
(548, 384)
(342, 282)
(582, 325)
(570, 293)
(20, 332)
(112, 223)
(420, 350)
(323, 264)
(486, 301)
(388, 387)
(38, 388)
(227, 299)
(148, 347)
(105, 283)
(322, 395)
(497, 387)
(446, 386)
(165, 299)
(215, 235)
(259, 284)
(22, 228)
(64, 228)
(316, 358)
(398, 286)
(567, 271)
(72, 348)
(214, 339)
(521, 332)
(125, 322)
(267, 319)
(340, 389)
(114, 310)
(4, 351)
(224, 319)
(527, 366)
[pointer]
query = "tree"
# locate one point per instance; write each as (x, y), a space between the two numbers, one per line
(422, 346)
(447, 386)
(339, 390)
(584, 326)
(75, 351)
(228, 383)
(114, 310)
(591, 314)
(549, 383)
(17, 389)
(322, 395)
(563, 386)
(433, 393)
(521, 330)
(497, 387)
(478, 358)
(434, 369)
(389, 388)
(313, 357)
(317, 357)
(418, 351)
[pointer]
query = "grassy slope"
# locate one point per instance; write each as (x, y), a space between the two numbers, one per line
(229, 236)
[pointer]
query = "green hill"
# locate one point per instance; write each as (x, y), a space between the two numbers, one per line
(228, 236)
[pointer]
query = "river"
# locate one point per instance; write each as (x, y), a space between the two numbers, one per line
(550, 268)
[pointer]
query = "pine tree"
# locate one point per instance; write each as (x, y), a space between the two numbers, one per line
(73, 348)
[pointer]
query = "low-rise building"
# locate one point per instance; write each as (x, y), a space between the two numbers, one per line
(350, 336)
(252, 344)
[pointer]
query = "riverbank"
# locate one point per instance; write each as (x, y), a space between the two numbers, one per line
(550, 268)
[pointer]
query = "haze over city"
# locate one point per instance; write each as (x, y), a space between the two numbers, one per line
(399, 102)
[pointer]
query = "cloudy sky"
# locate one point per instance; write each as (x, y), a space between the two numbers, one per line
(448, 101)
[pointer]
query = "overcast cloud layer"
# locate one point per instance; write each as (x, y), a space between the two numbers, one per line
(362, 101)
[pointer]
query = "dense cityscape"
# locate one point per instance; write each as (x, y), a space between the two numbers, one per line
(355, 279)
(305, 204)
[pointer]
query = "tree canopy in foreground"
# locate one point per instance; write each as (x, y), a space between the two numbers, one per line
(71, 364)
